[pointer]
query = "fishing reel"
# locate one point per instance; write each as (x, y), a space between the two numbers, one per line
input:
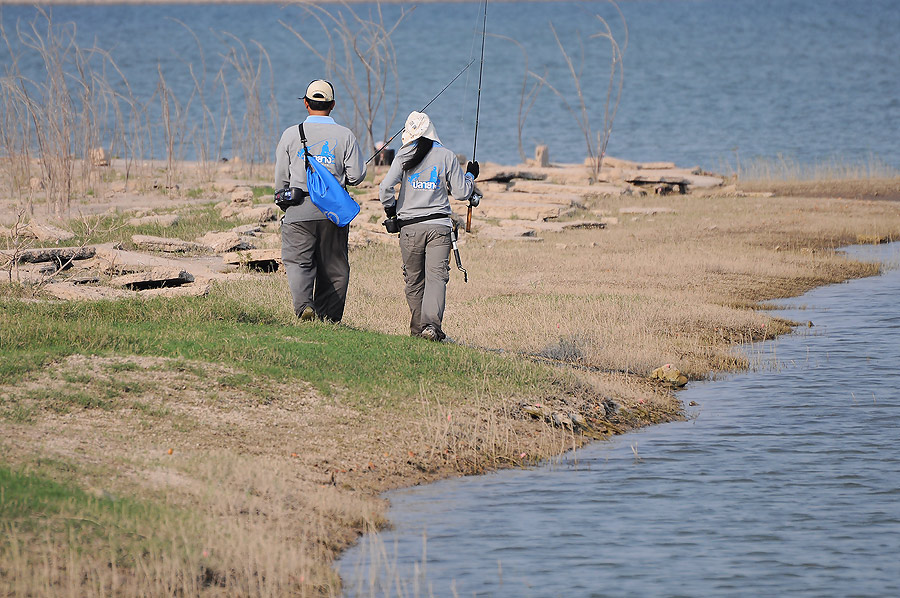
(287, 197)
(391, 225)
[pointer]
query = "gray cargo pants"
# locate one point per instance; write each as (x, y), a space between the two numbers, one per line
(317, 266)
(425, 249)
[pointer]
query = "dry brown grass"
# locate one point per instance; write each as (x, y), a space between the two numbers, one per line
(277, 479)
(667, 288)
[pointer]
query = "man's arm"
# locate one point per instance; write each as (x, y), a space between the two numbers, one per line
(282, 163)
(354, 167)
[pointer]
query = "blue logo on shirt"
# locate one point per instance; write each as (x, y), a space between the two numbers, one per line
(326, 156)
(431, 184)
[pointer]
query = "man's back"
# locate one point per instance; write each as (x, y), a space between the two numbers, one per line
(329, 143)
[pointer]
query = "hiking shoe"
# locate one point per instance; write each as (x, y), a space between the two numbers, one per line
(308, 314)
(429, 333)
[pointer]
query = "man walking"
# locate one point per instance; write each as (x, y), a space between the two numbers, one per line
(314, 249)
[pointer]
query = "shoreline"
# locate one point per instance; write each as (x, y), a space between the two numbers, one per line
(667, 278)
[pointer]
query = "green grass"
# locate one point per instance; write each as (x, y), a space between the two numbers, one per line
(366, 369)
(63, 400)
(263, 191)
(38, 507)
(194, 222)
(125, 366)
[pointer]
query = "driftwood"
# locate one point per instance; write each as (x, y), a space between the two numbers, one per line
(148, 243)
(60, 255)
(266, 260)
(153, 279)
(505, 176)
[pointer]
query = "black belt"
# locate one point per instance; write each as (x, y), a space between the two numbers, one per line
(402, 223)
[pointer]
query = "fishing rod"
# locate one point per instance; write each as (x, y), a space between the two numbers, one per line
(394, 136)
(477, 106)
(453, 239)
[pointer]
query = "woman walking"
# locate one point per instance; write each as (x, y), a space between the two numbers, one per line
(428, 175)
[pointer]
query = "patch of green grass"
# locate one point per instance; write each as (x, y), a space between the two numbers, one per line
(123, 366)
(263, 191)
(73, 378)
(240, 380)
(150, 409)
(64, 400)
(117, 388)
(366, 369)
(63, 514)
(185, 367)
(194, 221)
(18, 413)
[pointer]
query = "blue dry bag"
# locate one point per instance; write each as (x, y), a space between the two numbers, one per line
(326, 192)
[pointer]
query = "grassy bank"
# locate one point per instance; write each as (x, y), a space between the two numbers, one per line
(215, 446)
(268, 439)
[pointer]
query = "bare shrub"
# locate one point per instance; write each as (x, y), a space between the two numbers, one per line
(252, 135)
(528, 95)
(51, 122)
(15, 245)
(361, 56)
(581, 111)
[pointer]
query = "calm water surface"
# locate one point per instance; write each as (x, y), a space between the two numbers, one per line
(707, 82)
(786, 482)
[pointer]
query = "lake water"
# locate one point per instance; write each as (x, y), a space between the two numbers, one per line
(785, 482)
(707, 82)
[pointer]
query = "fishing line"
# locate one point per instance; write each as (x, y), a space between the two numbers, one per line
(394, 136)
(462, 104)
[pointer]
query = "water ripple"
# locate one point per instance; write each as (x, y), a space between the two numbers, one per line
(785, 483)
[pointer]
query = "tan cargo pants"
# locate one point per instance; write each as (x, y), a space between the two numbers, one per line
(425, 249)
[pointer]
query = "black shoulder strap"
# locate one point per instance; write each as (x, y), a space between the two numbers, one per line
(305, 149)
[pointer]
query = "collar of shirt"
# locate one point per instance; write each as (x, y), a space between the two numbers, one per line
(325, 120)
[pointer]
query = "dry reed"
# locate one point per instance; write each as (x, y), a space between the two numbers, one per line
(58, 126)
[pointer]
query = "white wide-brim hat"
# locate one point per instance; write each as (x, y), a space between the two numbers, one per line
(418, 125)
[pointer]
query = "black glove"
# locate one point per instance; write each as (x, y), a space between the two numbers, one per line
(472, 168)
(390, 211)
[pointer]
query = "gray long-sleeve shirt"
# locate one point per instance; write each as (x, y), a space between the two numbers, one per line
(426, 188)
(331, 144)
